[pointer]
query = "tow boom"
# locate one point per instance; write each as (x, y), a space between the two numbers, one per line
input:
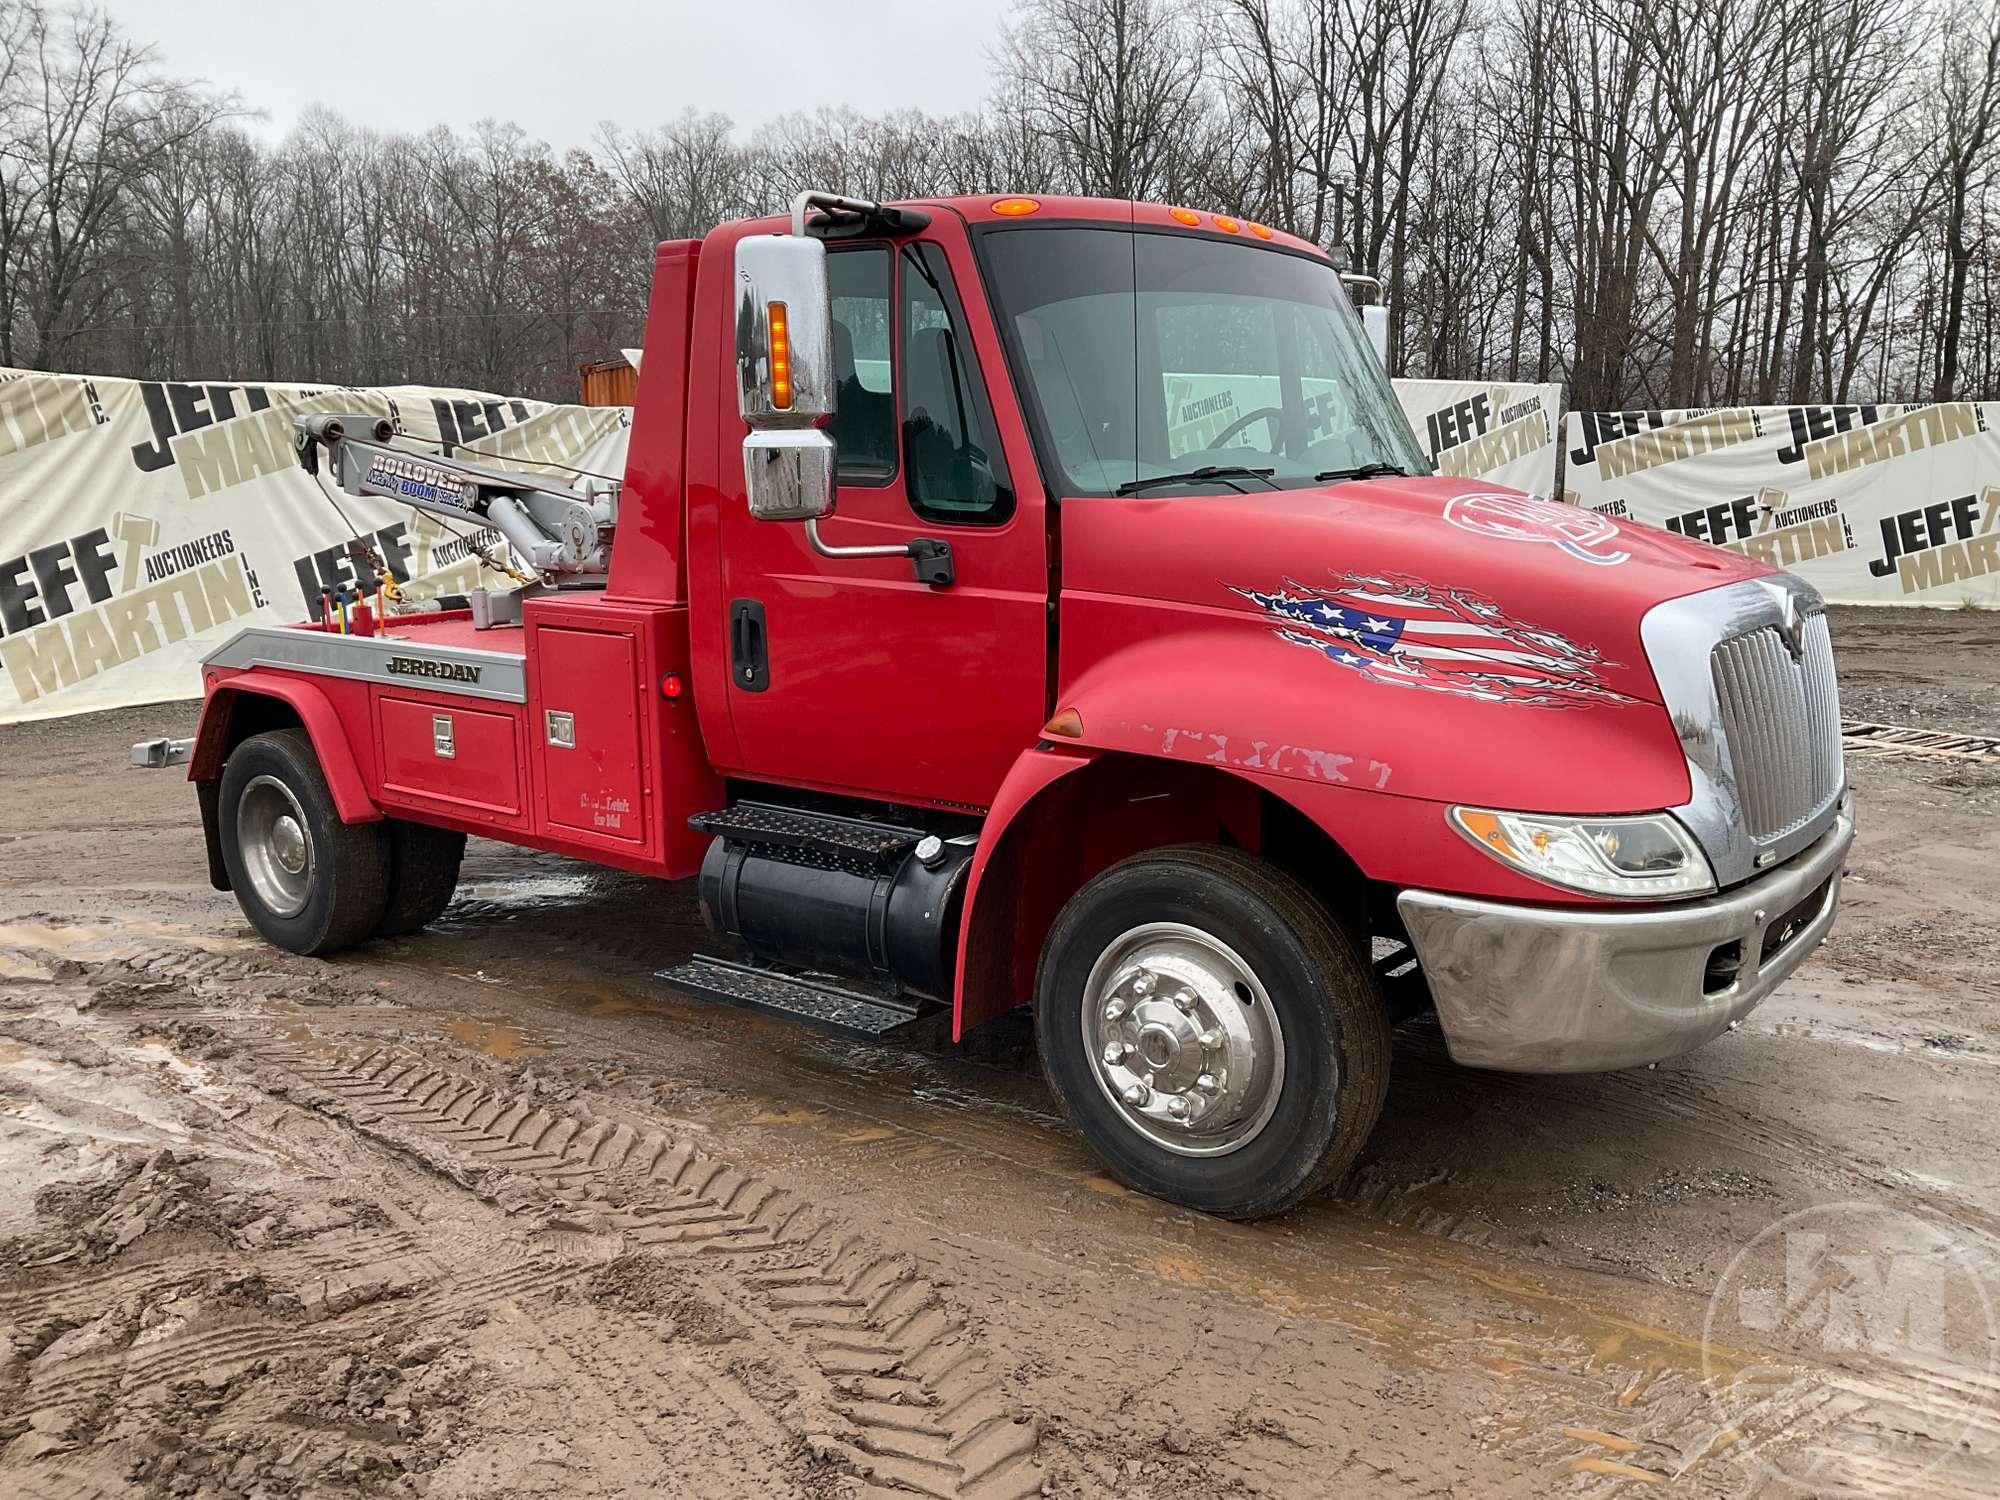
(554, 530)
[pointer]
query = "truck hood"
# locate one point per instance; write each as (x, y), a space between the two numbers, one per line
(1472, 642)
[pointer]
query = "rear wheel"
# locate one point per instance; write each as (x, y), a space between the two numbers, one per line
(423, 873)
(1211, 1030)
(307, 881)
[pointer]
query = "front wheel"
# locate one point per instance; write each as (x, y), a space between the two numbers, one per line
(1211, 1031)
(307, 881)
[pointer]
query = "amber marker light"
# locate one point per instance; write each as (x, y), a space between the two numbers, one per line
(1068, 724)
(1185, 216)
(1226, 224)
(1016, 208)
(1260, 231)
(781, 357)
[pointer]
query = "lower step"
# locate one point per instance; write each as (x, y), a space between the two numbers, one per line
(815, 1003)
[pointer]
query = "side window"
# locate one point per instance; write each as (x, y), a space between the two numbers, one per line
(864, 422)
(954, 470)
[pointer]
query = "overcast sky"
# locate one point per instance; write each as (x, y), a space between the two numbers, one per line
(557, 67)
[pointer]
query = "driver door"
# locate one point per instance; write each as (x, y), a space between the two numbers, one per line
(871, 682)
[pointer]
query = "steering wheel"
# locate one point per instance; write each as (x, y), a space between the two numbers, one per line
(1272, 414)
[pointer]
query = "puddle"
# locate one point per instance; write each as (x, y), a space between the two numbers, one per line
(1530, 1326)
(1612, 1469)
(108, 938)
(43, 935)
(551, 889)
(1952, 1050)
(493, 1039)
(303, 1037)
(18, 966)
(865, 1135)
(787, 1117)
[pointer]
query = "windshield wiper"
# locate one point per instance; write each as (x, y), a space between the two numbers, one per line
(1376, 470)
(1212, 471)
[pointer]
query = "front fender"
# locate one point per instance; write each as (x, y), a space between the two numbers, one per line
(235, 698)
(994, 941)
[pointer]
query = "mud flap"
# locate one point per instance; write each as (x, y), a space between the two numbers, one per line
(209, 794)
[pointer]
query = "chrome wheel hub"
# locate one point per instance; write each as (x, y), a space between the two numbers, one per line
(1183, 1040)
(276, 850)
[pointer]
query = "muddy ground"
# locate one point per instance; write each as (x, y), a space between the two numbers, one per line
(488, 1211)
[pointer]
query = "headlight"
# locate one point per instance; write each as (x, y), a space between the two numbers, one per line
(1637, 859)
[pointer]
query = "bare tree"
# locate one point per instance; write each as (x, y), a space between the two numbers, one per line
(1658, 202)
(1968, 99)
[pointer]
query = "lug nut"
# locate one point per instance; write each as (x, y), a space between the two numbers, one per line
(1210, 1038)
(1143, 985)
(1184, 1001)
(1177, 1107)
(1114, 1052)
(1114, 1010)
(1138, 1095)
(1207, 1084)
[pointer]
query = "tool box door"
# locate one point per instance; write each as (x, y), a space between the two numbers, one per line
(588, 737)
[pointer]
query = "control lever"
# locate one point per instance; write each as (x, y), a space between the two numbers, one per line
(929, 555)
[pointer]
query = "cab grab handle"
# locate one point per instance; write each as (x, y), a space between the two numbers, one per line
(929, 555)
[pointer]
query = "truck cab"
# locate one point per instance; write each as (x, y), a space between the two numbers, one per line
(1043, 601)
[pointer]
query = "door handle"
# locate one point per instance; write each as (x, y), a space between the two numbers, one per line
(749, 649)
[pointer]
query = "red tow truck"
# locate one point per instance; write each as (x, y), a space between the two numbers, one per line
(1043, 601)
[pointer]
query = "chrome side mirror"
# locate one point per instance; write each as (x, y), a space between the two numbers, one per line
(784, 376)
(784, 332)
(788, 474)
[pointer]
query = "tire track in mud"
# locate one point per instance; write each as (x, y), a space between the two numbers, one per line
(908, 1403)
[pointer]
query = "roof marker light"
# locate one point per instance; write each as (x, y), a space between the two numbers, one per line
(1184, 216)
(1226, 224)
(1260, 231)
(1015, 208)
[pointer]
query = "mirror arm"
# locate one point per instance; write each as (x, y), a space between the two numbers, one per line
(931, 557)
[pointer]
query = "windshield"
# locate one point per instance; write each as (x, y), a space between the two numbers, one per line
(1151, 355)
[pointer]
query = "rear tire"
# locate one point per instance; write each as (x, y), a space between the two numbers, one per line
(307, 881)
(423, 873)
(1211, 1031)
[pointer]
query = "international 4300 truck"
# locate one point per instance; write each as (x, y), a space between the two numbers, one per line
(1043, 601)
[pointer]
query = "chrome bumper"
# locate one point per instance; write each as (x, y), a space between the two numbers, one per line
(1542, 989)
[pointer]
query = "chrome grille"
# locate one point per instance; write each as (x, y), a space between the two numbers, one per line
(1783, 721)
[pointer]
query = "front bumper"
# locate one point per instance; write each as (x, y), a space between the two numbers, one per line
(1544, 989)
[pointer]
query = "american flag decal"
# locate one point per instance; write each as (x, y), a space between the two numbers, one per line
(1408, 633)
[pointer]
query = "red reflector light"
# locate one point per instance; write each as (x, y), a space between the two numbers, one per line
(671, 686)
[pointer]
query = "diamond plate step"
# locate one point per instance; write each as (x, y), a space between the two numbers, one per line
(823, 1006)
(846, 840)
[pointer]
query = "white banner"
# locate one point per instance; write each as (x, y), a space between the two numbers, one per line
(142, 523)
(1869, 504)
(1478, 429)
